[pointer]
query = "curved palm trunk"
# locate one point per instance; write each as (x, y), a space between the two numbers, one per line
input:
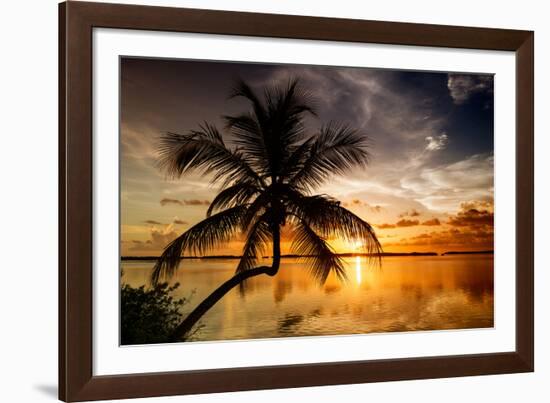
(191, 320)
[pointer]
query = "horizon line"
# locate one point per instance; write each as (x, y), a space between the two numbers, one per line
(345, 254)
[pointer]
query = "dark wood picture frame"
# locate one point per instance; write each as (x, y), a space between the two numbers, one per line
(76, 379)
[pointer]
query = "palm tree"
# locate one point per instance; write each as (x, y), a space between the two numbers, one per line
(266, 177)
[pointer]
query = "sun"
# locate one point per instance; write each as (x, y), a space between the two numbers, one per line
(355, 245)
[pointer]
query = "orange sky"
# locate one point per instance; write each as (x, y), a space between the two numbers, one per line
(429, 186)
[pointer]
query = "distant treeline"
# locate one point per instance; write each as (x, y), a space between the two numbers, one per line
(385, 254)
(472, 252)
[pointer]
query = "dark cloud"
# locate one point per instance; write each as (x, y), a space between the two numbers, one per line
(196, 202)
(465, 238)
(410, 213)
(471, 228)
(477, 204)
(422, 236)
(166, 201)
(463, 86)
(360, 203)
(153, 222)
(431, 222)
(406, 223)
(472, 218)
(185, 202)
(180, 222)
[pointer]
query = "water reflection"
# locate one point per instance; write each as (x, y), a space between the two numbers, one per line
(358, 270)
(407, 293)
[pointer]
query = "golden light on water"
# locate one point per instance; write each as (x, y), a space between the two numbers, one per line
(358, 269)
(409, 293)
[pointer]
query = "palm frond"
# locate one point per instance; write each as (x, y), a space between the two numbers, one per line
(336, 150)
(199, 239)
(323, 260)
(256, 243)
(274, 129)
(290, 101)
(205, 151)
(243, 90)
(256, 208)
(235, 195)
(250, 129)
(286, 106)
(265, 174)
(248, 135)
(296, 159)
(328, 218)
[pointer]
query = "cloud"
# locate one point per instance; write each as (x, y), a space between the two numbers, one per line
(470, 228)
(406, 223)
(373, 100)
(196, 202)
(180, 222)
(159, 239)
(166, 201)
(386, 226)
(444, 187)
(432, 222)
(418, 159)
(153, 222)
(136, 143)
(421, 236)
(463, 86)
(463, 239)
(403, 223)
(472, 218)
(376, 208)
(437, 142)
(432, 187)
(185, 202)
(410, 213)
(477, 204)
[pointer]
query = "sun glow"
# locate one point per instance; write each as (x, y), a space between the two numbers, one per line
(355, 245)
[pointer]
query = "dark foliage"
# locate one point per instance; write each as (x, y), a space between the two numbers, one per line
(149, 315)
(267, 168)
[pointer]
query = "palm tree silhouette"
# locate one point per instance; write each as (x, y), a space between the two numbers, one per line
(266, 178)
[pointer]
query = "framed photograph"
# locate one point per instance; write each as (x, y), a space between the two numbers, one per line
(253, 201)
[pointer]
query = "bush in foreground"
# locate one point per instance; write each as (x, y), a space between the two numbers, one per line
(149, 315)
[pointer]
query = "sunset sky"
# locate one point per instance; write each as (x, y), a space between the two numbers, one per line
(429, 186)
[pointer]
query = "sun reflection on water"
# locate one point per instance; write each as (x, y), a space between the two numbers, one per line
(409, 294)
(358, 269)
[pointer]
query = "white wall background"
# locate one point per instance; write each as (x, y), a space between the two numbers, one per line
(28, 202)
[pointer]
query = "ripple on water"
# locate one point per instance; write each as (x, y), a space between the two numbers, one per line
(407, 293)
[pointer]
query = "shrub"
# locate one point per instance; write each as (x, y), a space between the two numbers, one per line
(149, 315)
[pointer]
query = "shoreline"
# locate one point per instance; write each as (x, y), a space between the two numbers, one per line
(291, 256)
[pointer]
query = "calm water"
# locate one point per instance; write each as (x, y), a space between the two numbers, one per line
(406, 293)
